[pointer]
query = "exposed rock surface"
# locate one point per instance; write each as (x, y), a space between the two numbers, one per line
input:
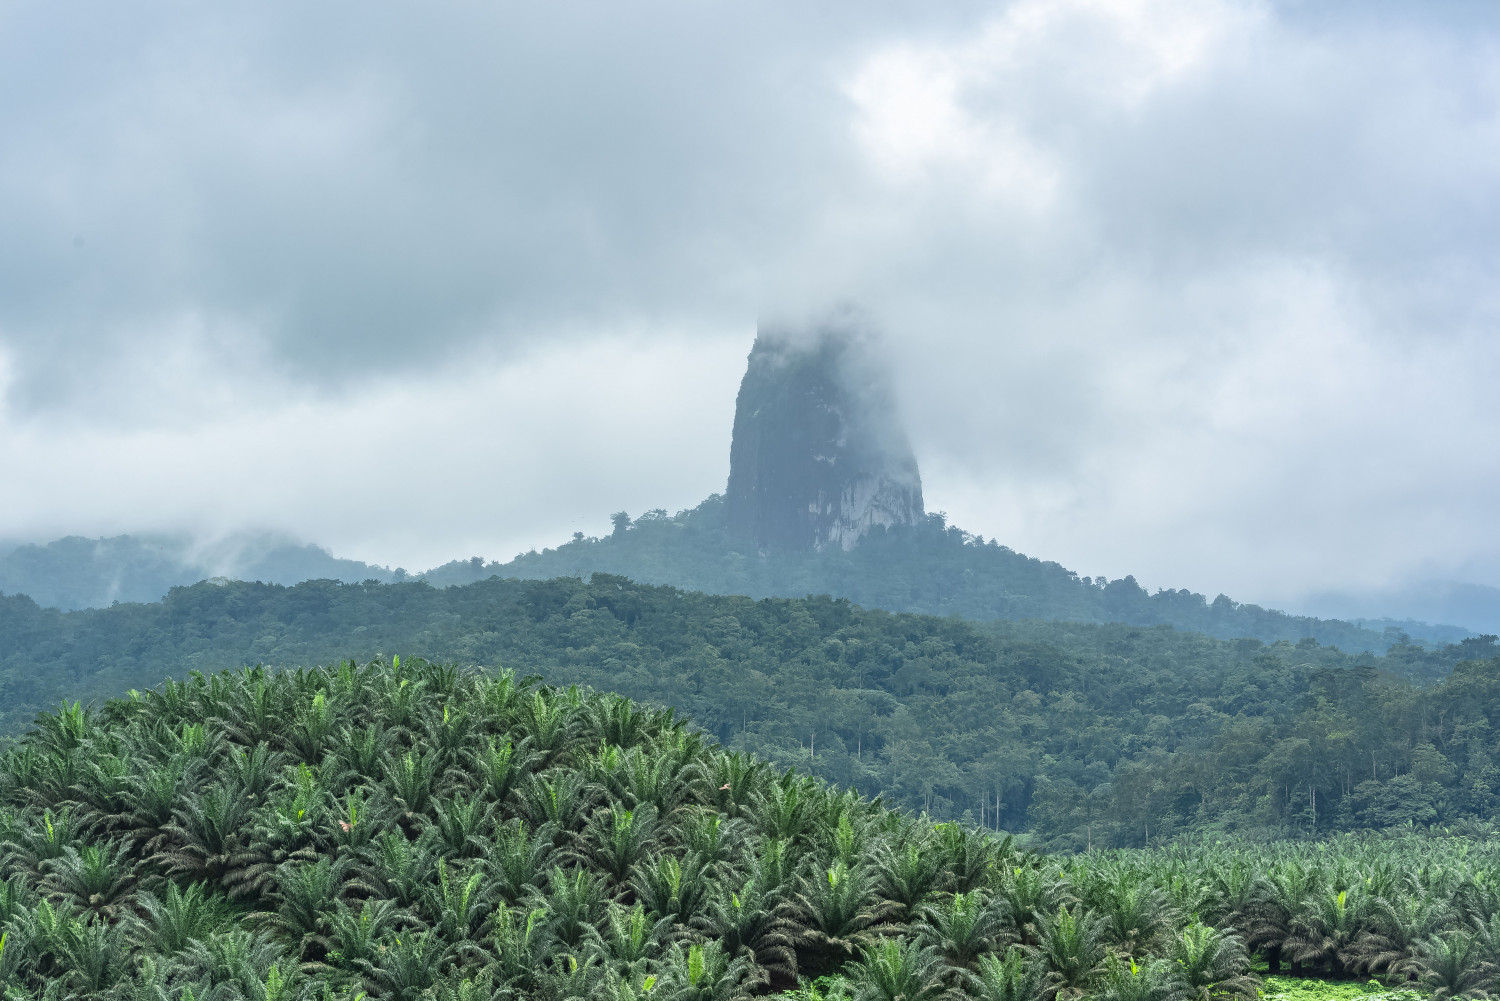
(819, 457)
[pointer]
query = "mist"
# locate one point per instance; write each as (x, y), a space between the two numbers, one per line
(1198, 292)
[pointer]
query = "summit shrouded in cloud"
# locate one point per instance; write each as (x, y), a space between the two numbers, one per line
(819, 456)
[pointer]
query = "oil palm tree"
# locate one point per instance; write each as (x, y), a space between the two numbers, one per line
(461, 825)
(98, 878)
(782, 811)
(1126, 979)
(620, 722)
(521, 857)
(1326, 930)
(716, 841)
(616, 839)
(38, 839)
(1212, 964)
(1451, 966)
(969, 855)
(1393, 927)
(411, 779)
(735, 782)
(167, 923)
(207, 838)
(230, 962)
(629, 940)
(964, 926)
(397, 868)
(839, 911)
(705, 972)
(407, 966)
(1030, 894)
(1135, 914)
(1016, 976)
(307, 895)
(893, 970)
(1072, 945)
(355, 936)
(908, 873)
(752, 922)
(670, 887)
(1282, 896)
(559, 797)
(500, 766)
(575, 902)
(520, 942)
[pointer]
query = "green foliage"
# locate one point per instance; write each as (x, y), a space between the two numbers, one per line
(1294, 989)
(1085, 736)
(613, 865)
(931, 568)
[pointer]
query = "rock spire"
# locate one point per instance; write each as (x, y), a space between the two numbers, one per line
(819, 456)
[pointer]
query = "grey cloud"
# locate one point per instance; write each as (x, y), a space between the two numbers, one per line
(364, 187)
(1160, 292)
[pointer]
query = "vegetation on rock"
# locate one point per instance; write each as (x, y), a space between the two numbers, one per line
(931, 568)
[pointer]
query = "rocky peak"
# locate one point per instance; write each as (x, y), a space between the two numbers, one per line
(819, 456)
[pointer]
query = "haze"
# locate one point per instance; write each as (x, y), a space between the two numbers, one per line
(1203, 292)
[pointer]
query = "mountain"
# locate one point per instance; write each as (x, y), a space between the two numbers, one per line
(75, 572)
(818, 458)
(824, 497)
(1475, 606)
(930, 567)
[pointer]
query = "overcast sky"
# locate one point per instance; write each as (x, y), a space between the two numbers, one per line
(1199, 290)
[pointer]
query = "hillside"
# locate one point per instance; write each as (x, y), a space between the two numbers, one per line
(1083, 734)
(75, 572)
(403, 830)
(930, 568)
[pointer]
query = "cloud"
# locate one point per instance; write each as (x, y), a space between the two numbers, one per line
(1213, 330)
(1198, 291)
(476, 458)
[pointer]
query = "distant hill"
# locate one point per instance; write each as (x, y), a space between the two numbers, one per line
(930, 568)
(1473, 605)
(75, 572)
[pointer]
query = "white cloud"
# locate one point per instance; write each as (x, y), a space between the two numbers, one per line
(1200, 291)
(484, 457)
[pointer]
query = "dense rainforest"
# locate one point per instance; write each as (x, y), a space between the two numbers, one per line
(404, 831)
(1082, 735)
(930, 568)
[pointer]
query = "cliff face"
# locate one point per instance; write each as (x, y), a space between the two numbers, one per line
(818, 457)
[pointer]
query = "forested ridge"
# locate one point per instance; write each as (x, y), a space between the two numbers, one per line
(1082, 735)
(931, 568)
(404, 831)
